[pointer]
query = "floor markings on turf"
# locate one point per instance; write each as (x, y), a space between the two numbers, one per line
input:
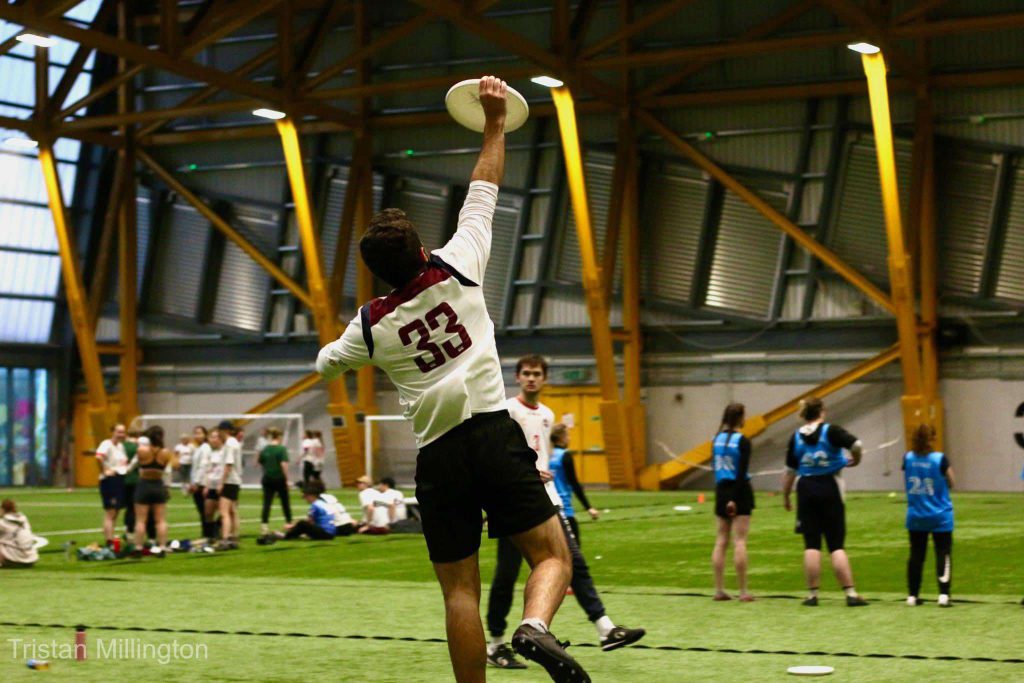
(412, 639)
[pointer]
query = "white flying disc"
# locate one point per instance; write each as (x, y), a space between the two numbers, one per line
(810, 670)
(682, 508)
(463, 102)
(40, 542)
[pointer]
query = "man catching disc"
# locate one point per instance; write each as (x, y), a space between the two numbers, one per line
(434, 339)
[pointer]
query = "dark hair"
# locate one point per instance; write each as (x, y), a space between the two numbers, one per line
(733, 416)
(204, 430)
(389, 481)
(313, 487)
(113, 427)
(155, 434)
(533, 361)
(227, 426)
(309, 433)
(391, 247)
(8, 506)
(272, 432)
(559, 431)
(922, 440)
(812, 408)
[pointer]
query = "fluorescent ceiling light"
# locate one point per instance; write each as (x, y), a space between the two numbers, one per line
(865, 48)
(269, 113)
(20, 143)
(36, 39)
(547, 81)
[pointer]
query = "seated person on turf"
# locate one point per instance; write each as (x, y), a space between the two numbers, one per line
(734, 499)
(394, 498)
(816, 454)
(434, 339)
(376, 509)
(928, 477)
(326, 518)
(17, 544)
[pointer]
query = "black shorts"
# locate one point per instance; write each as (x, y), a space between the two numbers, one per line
(230, 491)
(211, 494)
(741, 492)
(820, 512)
(483, 464)
(112, 492)
(150, 492)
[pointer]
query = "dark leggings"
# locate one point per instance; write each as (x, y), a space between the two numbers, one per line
(304, 526)
(499, 602)
(943, 560)
(280, 488)
(309, 472)
(575, 526)
(200, 503)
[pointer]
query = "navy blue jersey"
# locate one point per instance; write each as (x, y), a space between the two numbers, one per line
(929, 506)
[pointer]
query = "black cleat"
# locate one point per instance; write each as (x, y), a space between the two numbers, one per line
(855, 601)
(543, 648)
(504, 658)
(811, 601)
(620, 636)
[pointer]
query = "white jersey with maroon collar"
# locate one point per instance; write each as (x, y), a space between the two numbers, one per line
(536, 422)
(433, 337)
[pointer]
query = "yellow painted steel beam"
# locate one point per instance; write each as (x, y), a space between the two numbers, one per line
(819, 250)
(667, 474)
(613, 412)
(223, 226)
(284, 395)
(345, 431)
(900, 274)
(127, 282)
(74, 290)
(633, 348)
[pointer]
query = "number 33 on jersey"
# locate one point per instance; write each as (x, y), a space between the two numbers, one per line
(433, 337)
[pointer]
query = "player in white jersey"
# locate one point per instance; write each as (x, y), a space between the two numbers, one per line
(536, 420)
(113, 463)
(434, 339)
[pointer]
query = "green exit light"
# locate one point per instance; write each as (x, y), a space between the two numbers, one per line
(409, 152)
(192, 167)
(708, 134)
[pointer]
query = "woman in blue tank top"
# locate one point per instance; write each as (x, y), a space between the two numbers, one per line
(734, 499)
(928, 478)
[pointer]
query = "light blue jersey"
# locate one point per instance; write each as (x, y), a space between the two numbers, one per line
(821, 458)
(929, 506)
(557, 468)
(323, 516)
(726, 451)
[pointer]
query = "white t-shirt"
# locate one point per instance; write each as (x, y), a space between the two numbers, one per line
(373, 497)
(200, 463)
(341, 516)
(218, 461)
(309, 450)
(112, 456)
(536, 422)
(395, 496)
(433, 337)
(184, 453)
(234, 450)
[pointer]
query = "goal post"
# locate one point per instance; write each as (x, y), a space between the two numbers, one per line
(253, 425)
(390, 448)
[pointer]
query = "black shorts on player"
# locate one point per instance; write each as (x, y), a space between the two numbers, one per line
(230, 491)
(821, 512)
(483, 464)
(741, 492)
(112, 492)
(150, 492)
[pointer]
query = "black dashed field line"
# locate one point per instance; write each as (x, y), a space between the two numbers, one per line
(641, 646)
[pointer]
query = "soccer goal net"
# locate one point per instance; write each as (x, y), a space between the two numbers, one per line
(390, 449)
(253, 437)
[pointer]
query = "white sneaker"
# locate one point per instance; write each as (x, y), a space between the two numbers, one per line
(944, 601)
(911, 601)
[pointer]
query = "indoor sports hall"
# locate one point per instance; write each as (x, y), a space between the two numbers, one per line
(512, 340)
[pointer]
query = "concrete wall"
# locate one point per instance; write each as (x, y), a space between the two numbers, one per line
(980, 417)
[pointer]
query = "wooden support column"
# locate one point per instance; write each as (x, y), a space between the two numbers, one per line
(618, 444)
(127, 237)
(365, 383)
(900, 274)
(633, 349)
(345, 430)
(74, 290)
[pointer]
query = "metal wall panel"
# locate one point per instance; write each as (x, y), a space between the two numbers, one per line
(180, 262)
(672, 214)
(499, 266)
(426, 204)
(599, 168)
(28, 274)
(563, 309)
(837, 299)
(25, 322)
(1010, 282)
(330, 225)
(858, 230)
(243, 285)
(743, 266)
(966, 183)
(27, 227)
(143, 232)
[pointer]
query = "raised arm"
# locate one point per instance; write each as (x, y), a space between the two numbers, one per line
(491, 164)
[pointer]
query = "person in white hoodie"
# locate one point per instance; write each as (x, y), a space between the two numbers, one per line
(17, 544)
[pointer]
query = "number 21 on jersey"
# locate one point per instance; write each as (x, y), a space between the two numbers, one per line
(434, 355)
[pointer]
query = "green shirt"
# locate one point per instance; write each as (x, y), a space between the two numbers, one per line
(130, 449)
(271, 459)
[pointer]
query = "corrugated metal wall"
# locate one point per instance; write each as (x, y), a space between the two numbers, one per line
(598, 169)
(672, 215)
(180, 262)
(243, 285)
(1010, 281)
(966, 186)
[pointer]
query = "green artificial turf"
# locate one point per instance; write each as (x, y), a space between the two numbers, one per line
(354, 599)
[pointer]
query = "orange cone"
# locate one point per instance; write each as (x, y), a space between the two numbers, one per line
(700, 497)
